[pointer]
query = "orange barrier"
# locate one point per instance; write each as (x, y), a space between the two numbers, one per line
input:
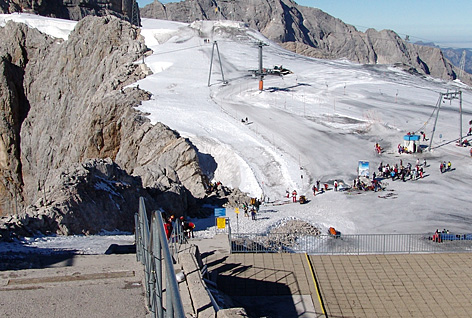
(332, 231)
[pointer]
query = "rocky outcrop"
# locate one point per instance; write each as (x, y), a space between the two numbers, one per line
(312, 32)
(75, 9)
(75, 155)
(455, 56)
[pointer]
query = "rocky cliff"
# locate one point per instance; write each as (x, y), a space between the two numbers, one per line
(74, 9)
(312, 32)
(75, 156)
(455, 56)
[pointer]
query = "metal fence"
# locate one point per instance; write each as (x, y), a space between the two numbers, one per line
(152, 249)
(351, 244)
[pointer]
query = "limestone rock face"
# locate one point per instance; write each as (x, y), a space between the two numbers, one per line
(312, 32)
(75, 155)
(73, 9)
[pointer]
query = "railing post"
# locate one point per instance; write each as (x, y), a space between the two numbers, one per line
(384, 244)
(172, 289)
(157, 251)
(229, 236)
(136, 237)
(409, 244)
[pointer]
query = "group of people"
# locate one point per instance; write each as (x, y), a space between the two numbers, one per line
(403, 149)
(437, 235)
(443, 166)
(252, 208)
(212, 186)
(318, 188)
(187, 227)
(399, 171)
(362, 186)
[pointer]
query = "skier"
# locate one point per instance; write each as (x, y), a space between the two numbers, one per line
(294, 196)
(449, 165)
(335, 185)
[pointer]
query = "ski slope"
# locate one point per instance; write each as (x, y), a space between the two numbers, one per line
(313, 124)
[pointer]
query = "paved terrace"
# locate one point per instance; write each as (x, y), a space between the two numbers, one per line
(75, 286)
(282, 285)
(266, 285)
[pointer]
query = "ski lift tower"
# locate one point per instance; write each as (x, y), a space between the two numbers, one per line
(215, 44)
(448, 96)
(261, 72)
(135, 17)
(462, 64)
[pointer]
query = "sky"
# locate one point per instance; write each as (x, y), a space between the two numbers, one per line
(421, 20)
(314, 124)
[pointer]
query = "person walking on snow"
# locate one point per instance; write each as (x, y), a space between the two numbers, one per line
(294, 196)
(335, 185)
(253, 213)
(245, 208)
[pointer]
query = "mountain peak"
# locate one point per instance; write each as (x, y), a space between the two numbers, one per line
(312, 32)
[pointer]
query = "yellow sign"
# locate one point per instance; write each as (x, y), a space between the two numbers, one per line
(236, 210)
(221, 223)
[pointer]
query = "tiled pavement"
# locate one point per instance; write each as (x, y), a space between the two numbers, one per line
(420, 285)
(415, 285)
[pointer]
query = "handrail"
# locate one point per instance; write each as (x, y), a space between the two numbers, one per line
(349, 244)
(151, 249)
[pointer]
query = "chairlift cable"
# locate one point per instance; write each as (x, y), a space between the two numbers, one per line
(427, 121)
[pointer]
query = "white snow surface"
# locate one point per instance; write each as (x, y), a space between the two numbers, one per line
(313, 124)
(58, 28)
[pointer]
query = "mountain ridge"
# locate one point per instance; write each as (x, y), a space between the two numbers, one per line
(312, 32)
(75, 9)
(75, 155)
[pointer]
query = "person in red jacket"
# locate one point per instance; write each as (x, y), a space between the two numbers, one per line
(168, 227)
(294, 196)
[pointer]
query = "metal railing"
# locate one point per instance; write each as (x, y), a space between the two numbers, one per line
(152, 250)
(349, 244)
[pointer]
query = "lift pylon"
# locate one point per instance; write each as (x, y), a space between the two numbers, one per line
(215, 44)
(448, 96)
